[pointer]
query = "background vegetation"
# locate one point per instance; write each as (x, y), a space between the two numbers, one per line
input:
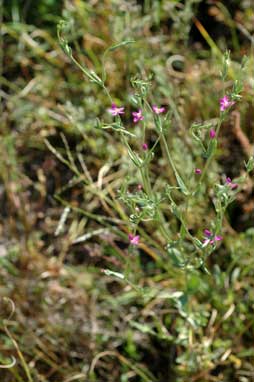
(62, 216)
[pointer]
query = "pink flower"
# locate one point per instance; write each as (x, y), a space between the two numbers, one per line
(231, 184)
(225, 103)
(137, 116)
(114, 110)
(216, 238)
(212, 133)
(207, 233)
(134, 240)
(158, 110)
(139, 187)
(210, 238)
(145, 146)
(198, 171)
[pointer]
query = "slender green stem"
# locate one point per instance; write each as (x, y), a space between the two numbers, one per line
(107, 93)
(168, 153)
(179, 180)
(146, 183)
(148, 190)
(86, 72)
(209, 160)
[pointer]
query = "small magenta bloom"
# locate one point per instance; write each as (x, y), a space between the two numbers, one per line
(225, 103)
(134, 240)
(210, 238)
(145, 146)
(158, 110)
(216, 238)
(114, 110)
(232, 185)
(207, 233)
(212, 133)
(198, 171)
(137, 116)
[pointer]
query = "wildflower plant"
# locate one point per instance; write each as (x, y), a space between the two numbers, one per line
(147, 207)
(158, 209)
(146, 203)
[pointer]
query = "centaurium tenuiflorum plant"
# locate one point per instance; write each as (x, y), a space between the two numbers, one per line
(225, 103)
(114, 110)
(146, 204)
(137, 116)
